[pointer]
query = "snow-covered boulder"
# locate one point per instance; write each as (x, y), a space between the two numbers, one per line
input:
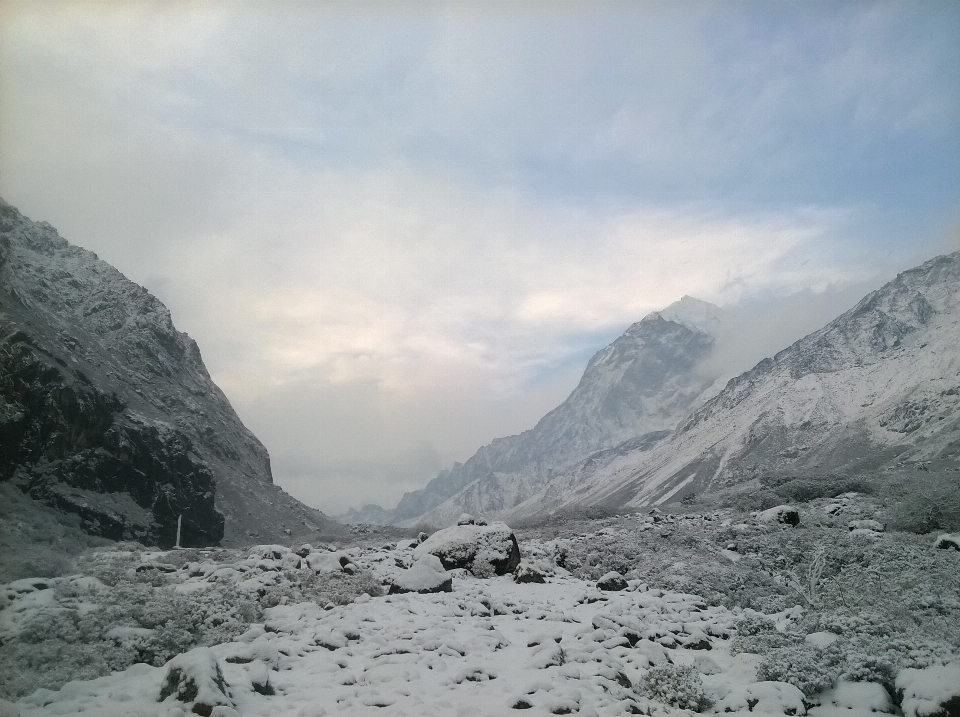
(481, 549)
(780, 514)
(527, 573)
(612, 581)
(466, 519)
(426, 575)
(931, 692)
(324, 562)
(945, 541)
(195, 679)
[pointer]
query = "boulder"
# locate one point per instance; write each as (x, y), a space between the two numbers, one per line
(945, 541)
(481, 549)
(526, 573)
(612, 582)
(466, 519)
(324, 562)
(195, 679)
(426, 575)
(931, 692)
(786, 514)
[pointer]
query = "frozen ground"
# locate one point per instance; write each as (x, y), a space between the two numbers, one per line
(493, 645)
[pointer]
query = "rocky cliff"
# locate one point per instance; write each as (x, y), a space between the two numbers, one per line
(107, 411)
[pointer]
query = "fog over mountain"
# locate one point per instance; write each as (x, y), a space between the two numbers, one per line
(848, 397)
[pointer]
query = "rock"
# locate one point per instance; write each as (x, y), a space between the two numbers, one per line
(426, 575)
(612, 581)
(821, 640)
(421, 537)
(945, 541)
(481, 549)
(466, 519)
(526, 573)
(324, 562)
(931, 692)
(304, 550)
(873, 525)
(786, 514)
(195, 678)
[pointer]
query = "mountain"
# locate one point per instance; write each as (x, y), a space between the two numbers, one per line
(107, 411)
(636, 389)
(876, 388)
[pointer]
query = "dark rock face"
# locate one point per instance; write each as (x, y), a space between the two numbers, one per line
(107, 411)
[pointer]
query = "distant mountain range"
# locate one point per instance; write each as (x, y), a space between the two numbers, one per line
(107, 411)
(878, 386)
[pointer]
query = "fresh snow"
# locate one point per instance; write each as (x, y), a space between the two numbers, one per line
(488, 647)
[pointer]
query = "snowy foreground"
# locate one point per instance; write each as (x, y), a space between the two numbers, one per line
(488, 647)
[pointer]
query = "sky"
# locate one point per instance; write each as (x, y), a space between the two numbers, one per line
(400, 230)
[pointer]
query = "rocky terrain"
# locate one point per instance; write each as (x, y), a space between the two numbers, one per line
(108, 413)
(821, 608)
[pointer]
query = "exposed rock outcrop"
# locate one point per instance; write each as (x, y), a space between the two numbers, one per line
(107, 411)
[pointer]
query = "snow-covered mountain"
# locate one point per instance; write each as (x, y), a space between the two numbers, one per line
(636, 389)
(878, 386)
(107, 411)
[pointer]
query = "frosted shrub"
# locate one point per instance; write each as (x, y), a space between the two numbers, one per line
(801, 665)
(678, 686)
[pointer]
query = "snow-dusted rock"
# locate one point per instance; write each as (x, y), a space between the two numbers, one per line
(612, 581)
(821, 640)
(481, 549)
(426, 575)
(945, 541)
(874, 525)
(527, 573)
(466, 519)
(780, 514)
(853, 699)
(931, 692)
(195, 678)
(324, 562)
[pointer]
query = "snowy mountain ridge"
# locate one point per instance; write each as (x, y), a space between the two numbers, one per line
(108, 412)
(876, 387)
(637, 388)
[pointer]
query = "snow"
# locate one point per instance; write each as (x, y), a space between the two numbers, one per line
(924, 691)
(487, 647)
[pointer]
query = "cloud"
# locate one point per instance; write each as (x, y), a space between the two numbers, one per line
(398, 232)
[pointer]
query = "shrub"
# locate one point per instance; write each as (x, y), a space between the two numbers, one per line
(678, 686)
(801, 665)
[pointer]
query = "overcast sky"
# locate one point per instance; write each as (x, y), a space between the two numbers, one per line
(398, 232)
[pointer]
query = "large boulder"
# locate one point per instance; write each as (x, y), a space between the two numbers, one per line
(426, 575)
(481, 549)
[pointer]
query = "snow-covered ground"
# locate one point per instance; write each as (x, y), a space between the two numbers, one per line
(489, 646)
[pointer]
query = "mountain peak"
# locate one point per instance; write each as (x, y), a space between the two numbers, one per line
(695, 314)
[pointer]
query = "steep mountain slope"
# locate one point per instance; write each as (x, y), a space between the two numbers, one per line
(878, 386)
(636, 389)
(107, 411)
